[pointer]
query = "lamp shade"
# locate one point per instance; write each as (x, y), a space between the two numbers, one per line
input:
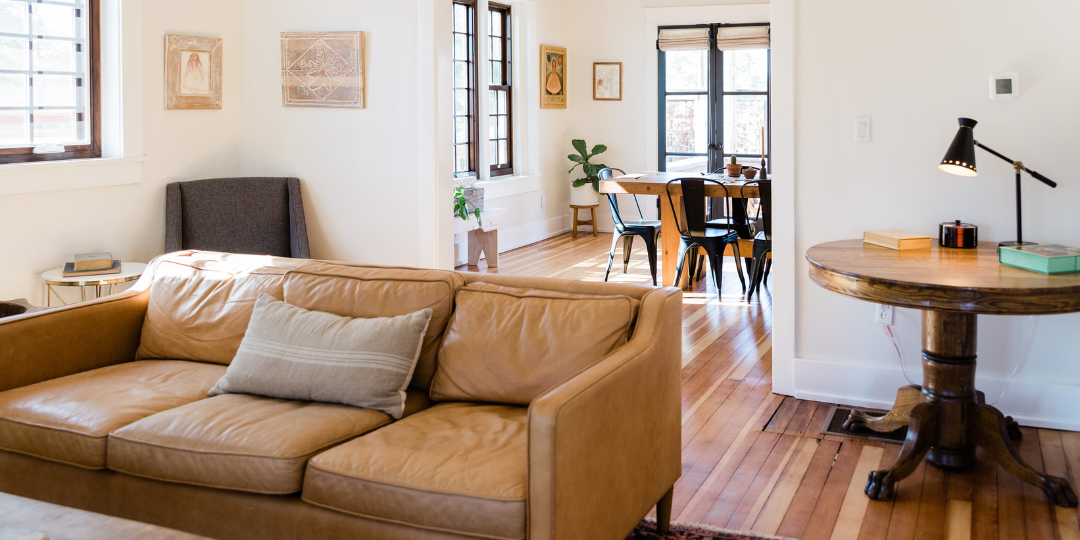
(960, 159)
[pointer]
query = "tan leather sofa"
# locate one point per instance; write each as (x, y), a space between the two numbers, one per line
(103, 407)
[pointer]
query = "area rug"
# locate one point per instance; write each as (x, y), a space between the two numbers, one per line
(646, 530)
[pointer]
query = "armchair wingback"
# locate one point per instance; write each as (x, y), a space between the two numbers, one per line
(257, 216)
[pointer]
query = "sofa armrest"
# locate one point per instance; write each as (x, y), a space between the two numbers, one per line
(72, 339)
(605, 446)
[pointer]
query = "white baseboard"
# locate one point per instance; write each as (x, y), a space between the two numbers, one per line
(1030, 403)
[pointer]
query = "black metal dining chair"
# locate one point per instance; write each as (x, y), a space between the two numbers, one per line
(762, 236)
(714, 241)
(648, 230)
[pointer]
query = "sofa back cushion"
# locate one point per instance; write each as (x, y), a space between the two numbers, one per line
(200, 303)
(369, 292)
(509, 345)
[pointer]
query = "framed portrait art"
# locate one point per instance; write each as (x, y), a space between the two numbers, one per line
(192, 72)
(322, 69)
(552, 77)
(607, 81)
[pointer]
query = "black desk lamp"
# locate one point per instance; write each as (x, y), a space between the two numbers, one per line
(960, 160)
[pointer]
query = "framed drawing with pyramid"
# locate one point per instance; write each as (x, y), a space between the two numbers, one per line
(322, 69)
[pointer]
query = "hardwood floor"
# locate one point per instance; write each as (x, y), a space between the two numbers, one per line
(754, 460)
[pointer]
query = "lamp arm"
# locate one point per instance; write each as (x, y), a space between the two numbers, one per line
(1034, 174)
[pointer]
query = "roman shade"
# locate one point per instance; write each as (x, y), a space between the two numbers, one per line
(742, 37)
(683, 39)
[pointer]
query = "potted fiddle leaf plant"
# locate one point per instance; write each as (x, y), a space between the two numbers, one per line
(463, 207)
(586, 190)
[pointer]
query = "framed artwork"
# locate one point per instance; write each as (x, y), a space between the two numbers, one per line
(192, 72)
(322, 69)
(607, 81)
(552, 77)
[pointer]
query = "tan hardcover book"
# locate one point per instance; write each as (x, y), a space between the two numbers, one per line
(69, 270)
(93, 261)
(899, 240)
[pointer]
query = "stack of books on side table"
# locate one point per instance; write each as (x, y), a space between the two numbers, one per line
(1050, 259)
(92, 264)
(898, 240)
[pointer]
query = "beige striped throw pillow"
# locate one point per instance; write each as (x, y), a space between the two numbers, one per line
(293, 353)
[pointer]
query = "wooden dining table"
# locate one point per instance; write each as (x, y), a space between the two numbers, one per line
(655, 183)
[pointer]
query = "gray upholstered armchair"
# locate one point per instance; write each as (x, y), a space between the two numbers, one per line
(257, 216)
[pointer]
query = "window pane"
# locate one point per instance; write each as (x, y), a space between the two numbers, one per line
(502, 127)
(461, 130)
(492, 151)
(689, 164)
(496, 73)
(502, 102)
(54, 91)
(54, 126)
(54, 55)
(461, 102)
(744, 116)
(492, 103)
(461, 18)
(53, 20)
(461, 161)
(687, 71)
(496, 23)
(13, 90)
(14, 127)
(495, 48)
(504, 156)
(14, 53)
(493, 127)
(461, 75)
(687, 124)
(461, 47)
(13, 17)
(746, 70)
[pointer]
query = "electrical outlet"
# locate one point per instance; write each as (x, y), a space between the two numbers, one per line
(883, 314)
(543, 201)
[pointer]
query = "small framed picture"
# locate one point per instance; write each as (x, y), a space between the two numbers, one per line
(552, 77)
(607, 81)
(1004, 86)
(192, 72)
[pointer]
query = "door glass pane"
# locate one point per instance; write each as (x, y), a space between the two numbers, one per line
(688, 124)
(461, 47)
(461, 18)
(54, 126)
(53, 20)
(13, 90)
(14, 53)
(746, 70)
(461, 163)
(54, 91)
(13, 17)
(687, 164)
(14, 127)
(461, 75)
(687, 71)
(461, 130)
(744, 116)
(54, 55)
(461, 102)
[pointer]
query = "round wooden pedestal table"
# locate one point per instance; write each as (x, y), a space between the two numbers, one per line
(946, 416)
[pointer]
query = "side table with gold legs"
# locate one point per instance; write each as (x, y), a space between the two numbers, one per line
(947, 417)
(129, 271)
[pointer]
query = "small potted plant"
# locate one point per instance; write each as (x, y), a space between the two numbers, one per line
(463, 207)
(734, 170)
(586, 191)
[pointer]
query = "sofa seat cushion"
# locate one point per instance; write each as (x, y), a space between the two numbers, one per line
(454, 467)
(69, 419)
(237, 441)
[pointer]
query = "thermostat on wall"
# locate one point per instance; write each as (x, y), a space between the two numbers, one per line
(1004, 86)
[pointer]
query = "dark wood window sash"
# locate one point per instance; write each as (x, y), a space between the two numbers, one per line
(503, 169)
(83, 151)
(473, 92)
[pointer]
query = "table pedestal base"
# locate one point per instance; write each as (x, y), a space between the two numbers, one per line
(947, 418)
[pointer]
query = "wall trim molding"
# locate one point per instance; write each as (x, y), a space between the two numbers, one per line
(1030, 403)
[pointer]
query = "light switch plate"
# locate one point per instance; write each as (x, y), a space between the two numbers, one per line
(862, 129)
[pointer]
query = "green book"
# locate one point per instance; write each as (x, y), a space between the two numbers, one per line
(1050, 259)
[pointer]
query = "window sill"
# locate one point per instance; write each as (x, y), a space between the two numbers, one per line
(506, 186)
(58, 175)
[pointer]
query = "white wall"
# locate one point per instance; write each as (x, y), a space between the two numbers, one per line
(43, 230)
(915, 70)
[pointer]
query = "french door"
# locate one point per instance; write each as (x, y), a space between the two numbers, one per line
(713, 105)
